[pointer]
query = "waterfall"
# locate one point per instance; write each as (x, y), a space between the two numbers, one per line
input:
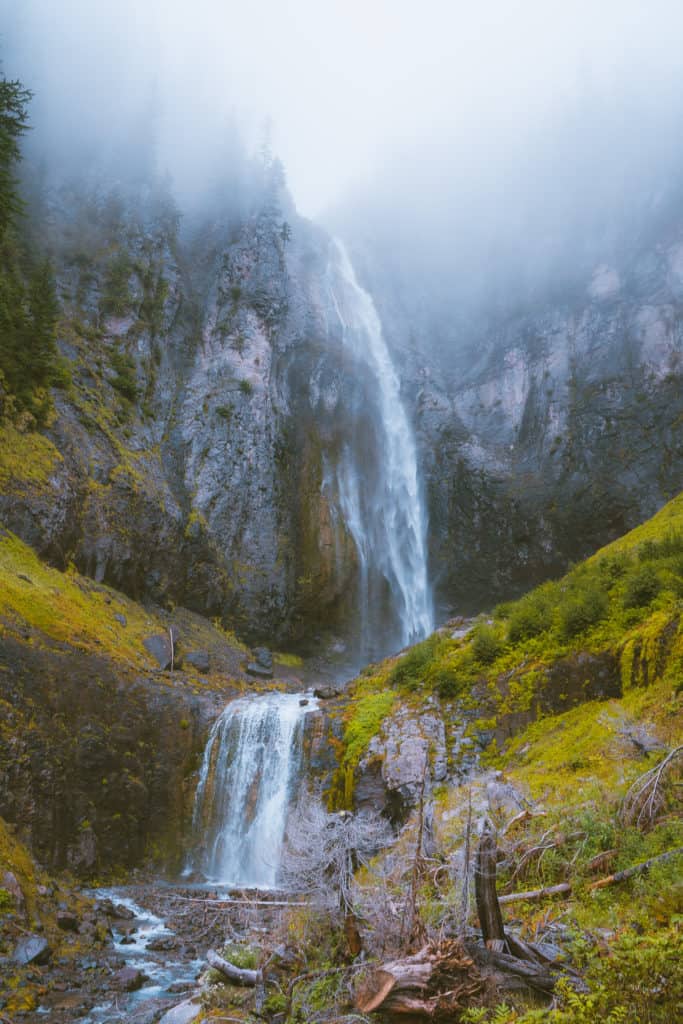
(248, 775)
(373, 480)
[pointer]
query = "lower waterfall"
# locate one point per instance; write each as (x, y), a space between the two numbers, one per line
(247, 782)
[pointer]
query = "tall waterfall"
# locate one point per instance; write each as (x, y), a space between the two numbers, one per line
(246, 784)
(373, 481)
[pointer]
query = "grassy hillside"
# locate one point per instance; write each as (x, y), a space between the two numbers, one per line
(568, 698)
(620, 610)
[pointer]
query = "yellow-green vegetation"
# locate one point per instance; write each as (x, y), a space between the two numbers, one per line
(15, 858)
(288, 660)
(27, 459)
(68, 607)
(626, 600)
(22, 987)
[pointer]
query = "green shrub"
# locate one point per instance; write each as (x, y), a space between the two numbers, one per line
(411, 670)
(582, 609)
(528, 618)
(613, 567)
(124, 380)
(671, 544)
(641, 588)
(485, 644)
(246, 957)
(246, 387)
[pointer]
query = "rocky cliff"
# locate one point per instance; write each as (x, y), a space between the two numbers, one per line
(189, 461)
(547, 429)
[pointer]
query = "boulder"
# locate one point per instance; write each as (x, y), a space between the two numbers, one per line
(326, 692)
(199, 660)
(159, 646)
(67, 921)
(164, 944)
(254, 669)
(32, 949)
(183, 1013)
(263, 657)
(391, 771)
(129, 979)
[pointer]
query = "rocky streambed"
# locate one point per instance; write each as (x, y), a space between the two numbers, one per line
(139, 953)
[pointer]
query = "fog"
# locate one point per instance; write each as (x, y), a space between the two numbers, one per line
(467, 140)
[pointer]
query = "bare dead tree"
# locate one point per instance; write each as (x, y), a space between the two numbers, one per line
(323, 851)
(645, 797)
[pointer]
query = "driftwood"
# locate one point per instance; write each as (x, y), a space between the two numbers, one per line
(433, 984)
(237, 975)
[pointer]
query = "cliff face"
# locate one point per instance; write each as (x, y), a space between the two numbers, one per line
(546, 433)
(186, 461)
(212, 394)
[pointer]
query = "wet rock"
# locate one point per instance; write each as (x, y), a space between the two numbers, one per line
(303, 702)
(121, 619)
(111, 909)
(67, 921)
(163, 944)
(199, 660)
(326, 692)
(33, 949)
(129, 979)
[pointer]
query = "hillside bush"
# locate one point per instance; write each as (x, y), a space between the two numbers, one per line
(486, 645)
(531, 616)
(581, 609)
(641, 587)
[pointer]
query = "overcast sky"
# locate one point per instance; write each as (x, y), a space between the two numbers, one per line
(350, 85)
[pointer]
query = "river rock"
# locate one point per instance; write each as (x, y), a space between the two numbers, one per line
(33, 949)
(129, 979)
(183, 1013)
(163, 944)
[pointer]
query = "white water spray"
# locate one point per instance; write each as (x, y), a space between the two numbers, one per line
(246, 784)
(381, 506)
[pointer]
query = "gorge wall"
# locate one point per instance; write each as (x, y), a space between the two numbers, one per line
(212, 392)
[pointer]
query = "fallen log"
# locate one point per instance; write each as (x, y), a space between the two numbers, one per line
(536, 894)
(636, 869)
(237, 975)
(435, 983)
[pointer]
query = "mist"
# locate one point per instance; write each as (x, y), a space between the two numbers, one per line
(479, 152)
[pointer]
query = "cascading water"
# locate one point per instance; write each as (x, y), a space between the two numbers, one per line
(247, 781)
(373, 481)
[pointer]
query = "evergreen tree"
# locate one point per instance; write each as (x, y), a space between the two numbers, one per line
(14, 100)
(29, 361)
